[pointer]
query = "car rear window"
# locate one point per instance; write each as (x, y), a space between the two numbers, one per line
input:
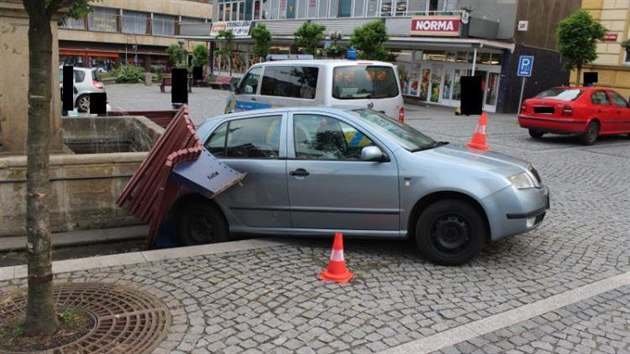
(289, 81)
(364, 81)
(561, 94)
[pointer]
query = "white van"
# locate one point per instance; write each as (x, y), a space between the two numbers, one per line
(366, 83)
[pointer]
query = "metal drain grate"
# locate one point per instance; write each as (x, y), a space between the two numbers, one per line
(127, 320)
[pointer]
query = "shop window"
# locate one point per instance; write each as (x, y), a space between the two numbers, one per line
(462, 57)
(163, 25)
(134, 22)
(102, 19)
(435, 55)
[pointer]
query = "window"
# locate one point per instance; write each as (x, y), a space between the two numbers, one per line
(320, 137)
(361, 82)
(134, 22)
(102, 19)
(163, 25)
(600, 98)
(249, 83)
(358, 8)
(247, 138)
(73, 23)
(290, 81)
(618, 100)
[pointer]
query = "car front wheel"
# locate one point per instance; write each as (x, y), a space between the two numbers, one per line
(199, 222)
(450, 232)
(590, 135)
(83, 103)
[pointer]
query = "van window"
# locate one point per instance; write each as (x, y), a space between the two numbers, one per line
(289, 81)
(249, 83)
(360, 82)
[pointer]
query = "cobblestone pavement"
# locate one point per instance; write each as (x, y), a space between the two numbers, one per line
(269, 300)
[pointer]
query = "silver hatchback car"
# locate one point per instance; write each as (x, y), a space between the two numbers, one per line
(315, 171)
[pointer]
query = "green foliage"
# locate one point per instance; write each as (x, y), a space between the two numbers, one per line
(309, 36)
(369, 40)
(226, 38)
(177, 56)
(71, 316)
(625, 44)
(128, 74)
(200, 55)
(336, 51)
(262, 40)
(80, 8)
(577, 39)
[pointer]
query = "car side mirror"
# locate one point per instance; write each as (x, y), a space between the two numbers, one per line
(373, 153)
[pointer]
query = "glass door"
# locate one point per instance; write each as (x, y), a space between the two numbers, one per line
(436, 81)
(492, 90)
(424, 84)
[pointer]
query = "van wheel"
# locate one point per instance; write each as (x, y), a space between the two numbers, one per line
(198, 222)
(450, 232)
(590, 135)
(83, 103)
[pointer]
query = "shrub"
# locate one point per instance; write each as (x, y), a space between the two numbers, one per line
(128, 74)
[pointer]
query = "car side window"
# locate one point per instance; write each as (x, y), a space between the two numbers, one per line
(290, 81)
(618, 101)
(319, 137)
(249, 84)
(257, 137)
(600, 98)
(78, 75)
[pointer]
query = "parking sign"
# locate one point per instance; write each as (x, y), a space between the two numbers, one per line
(525, 65)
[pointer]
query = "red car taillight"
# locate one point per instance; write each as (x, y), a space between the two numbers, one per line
(523, 107)
(97, 84)
(567, 110)
(401, 115)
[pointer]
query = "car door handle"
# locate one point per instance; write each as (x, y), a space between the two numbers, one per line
(253, 98)
(300, 172)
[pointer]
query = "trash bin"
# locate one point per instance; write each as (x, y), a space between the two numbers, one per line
(148, 79)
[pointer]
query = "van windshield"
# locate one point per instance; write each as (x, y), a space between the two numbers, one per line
(364, 81)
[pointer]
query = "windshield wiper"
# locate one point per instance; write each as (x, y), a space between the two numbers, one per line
(430, 146)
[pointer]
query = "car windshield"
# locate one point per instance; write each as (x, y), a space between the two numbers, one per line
(404, 135)
(561, 93)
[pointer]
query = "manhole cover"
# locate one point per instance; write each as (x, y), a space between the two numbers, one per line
(126, 319)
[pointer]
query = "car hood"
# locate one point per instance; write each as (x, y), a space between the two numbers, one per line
(463, 156)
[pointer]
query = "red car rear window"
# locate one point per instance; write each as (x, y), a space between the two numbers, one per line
(561, 94)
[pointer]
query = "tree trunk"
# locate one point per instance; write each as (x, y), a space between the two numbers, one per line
(40, 307)
(579, 75)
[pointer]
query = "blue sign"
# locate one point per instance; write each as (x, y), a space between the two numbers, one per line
(525, 65)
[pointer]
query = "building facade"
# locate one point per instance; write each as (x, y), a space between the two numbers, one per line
(118, 32)
(613, 61)
(436, 41)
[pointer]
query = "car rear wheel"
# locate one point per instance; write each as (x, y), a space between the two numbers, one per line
(83, 103)
(450, 232)
(590, 135)
(536, 134)
(199, 222)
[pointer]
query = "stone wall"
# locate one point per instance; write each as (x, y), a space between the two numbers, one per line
(84, 186)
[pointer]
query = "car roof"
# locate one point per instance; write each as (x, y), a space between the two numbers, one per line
(323, 62)
(322, 109)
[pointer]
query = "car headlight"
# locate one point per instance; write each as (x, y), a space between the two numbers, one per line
(524, 180)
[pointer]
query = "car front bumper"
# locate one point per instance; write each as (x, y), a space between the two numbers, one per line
(513, 211)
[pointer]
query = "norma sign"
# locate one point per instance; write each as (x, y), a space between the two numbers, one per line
(435, 26)
(525, 65)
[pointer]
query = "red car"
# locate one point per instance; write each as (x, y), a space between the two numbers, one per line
(586, 111)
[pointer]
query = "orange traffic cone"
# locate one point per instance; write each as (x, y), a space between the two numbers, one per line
(336, 270)
(478, 140)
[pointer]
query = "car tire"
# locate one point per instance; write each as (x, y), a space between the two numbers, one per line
(450, 232)
(590, 134)
(536, 134)
(198, 221)
(83, 103)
